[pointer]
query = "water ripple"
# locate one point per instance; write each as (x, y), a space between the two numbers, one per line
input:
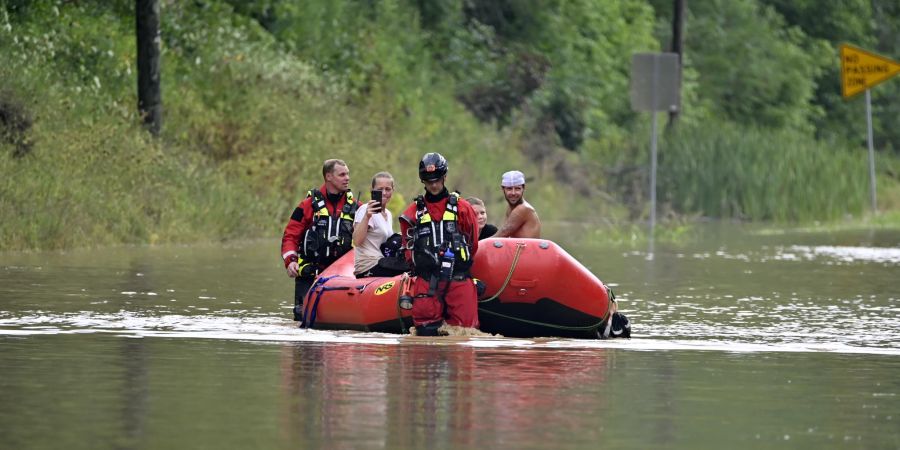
(782, 336)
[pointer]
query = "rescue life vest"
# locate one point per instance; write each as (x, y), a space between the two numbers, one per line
(328, 237)
(432, 239)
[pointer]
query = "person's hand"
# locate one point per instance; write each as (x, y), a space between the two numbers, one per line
(372, 208)
(293, 269)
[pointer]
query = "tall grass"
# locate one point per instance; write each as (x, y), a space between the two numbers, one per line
(729, 171)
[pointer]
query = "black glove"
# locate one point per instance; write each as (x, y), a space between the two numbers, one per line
(308, 270)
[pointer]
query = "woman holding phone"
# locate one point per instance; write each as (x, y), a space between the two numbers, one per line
(374, 226)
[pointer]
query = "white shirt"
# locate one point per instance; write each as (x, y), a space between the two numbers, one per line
(380, 229)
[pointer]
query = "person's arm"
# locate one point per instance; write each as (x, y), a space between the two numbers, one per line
(300, 220)
(512, 224)
(361, 223)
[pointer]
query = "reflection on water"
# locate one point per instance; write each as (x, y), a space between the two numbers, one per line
(786, 340)
(448, 395)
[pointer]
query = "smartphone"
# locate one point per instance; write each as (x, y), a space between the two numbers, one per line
(376, 195)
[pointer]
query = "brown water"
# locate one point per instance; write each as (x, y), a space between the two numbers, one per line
(741, 340)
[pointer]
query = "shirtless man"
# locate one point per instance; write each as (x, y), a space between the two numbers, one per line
(521, 219)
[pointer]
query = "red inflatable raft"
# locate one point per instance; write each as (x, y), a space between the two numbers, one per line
(534, 288)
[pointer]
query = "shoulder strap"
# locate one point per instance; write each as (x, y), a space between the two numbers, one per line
(350, 206)
(318, 202)
(451, 210)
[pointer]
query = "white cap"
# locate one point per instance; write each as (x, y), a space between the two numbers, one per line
(512, 178)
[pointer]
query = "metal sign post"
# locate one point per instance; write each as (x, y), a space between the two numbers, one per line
(655, 87)
(860, 70)
(871, 150)
(653, 137)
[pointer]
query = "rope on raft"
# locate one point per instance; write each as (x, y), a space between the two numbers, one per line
(512, 268)
(550, 325)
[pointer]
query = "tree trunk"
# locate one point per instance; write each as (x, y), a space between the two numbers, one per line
(677, 47)
(148, 41)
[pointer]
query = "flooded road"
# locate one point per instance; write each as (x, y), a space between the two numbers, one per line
(747, 337)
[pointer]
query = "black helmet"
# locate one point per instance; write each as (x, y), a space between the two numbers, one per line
(432, 167)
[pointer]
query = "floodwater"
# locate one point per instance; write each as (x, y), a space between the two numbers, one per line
(741, 339)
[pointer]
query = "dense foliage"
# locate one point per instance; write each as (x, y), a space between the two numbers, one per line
(257, 94)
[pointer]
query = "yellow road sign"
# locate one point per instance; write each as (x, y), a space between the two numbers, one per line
(861, 70)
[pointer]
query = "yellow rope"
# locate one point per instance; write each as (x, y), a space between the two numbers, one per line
(512, 268)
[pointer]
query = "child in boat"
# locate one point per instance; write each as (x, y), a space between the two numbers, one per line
(485, 230)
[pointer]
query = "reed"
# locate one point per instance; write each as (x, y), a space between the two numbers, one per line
(728, 171)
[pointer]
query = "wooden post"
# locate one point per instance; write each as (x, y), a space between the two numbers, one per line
(677, 47)
(149, 95)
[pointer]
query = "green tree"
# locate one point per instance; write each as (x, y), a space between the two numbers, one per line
(752, 67)
(871, 24)
(565, 62)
